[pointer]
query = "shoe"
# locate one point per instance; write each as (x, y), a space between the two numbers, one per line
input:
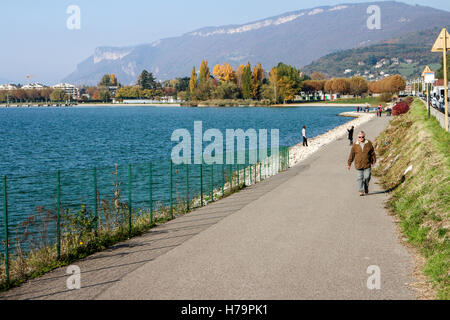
(366, 190)
(361, 194)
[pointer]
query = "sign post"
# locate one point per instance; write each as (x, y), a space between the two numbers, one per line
(428, 77)
(442, 45)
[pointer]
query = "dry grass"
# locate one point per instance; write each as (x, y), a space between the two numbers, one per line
(422, 202)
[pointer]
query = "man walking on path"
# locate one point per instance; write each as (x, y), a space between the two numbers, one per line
(305, 140)
(363, 153)
(350, 135)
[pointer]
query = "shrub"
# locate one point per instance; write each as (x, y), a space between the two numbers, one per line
(400, 108)
(409, 100)
(385, 97)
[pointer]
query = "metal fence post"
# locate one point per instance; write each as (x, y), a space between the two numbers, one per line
(5, 211)
(231, 176)
(255, 174)
(201, 183)
(129, 198)
(238, 175)
(95, 201)
(212, 182)
(251, 175)
(187, 187)
(260, 172)
(245, 180)
(150, 185)
(223, 180)
(171, 186)
(289, 157)
(58, 215)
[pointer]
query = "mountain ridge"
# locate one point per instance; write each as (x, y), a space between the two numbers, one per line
(295, 37)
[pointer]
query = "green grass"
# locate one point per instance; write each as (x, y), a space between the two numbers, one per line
(422, 202)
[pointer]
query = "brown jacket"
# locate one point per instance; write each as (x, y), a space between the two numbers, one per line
(364, 159)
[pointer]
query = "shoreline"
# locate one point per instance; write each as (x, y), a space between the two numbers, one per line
(298, 153)
(178, 105)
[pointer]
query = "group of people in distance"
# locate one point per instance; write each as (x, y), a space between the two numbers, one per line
(378, 109)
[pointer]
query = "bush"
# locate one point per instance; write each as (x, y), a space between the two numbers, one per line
(400, 108)
(409, 100)
(385, 97)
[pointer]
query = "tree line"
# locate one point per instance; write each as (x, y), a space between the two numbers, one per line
(282, 83)
(246, 82)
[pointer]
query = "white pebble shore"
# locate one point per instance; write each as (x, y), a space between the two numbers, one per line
(299, 153)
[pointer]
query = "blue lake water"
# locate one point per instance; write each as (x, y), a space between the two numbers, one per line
(36, 142)
(46, 139)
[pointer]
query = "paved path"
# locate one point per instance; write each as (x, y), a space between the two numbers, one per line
(303, 234)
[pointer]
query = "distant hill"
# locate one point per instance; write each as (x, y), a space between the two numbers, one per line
(407, 55)
(296, 38)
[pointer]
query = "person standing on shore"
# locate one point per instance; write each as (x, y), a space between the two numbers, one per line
(305, 140)
(363, 153)
(350, 134)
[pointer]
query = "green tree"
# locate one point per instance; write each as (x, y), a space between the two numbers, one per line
(106, 81)
(247, 82)
(226, 90)
(204, 74)
(104, 95)
(58, 95)
(146, 80)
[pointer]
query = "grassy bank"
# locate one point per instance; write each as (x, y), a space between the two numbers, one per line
(422, 201)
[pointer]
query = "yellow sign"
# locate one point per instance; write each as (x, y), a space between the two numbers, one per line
(443, 40)
(426, 70)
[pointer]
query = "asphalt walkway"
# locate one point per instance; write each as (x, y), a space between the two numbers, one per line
(303, 234)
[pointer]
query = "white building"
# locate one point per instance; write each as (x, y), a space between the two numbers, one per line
(34, 86)
(8, 87)
(70, 89)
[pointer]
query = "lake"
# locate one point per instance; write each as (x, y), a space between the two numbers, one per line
(36, 142)
(46, 139)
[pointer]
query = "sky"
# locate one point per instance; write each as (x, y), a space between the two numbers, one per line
(35, 39)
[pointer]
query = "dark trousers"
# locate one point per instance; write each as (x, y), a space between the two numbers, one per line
(305, 142)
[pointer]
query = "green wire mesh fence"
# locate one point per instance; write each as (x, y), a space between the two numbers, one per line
(48, 217)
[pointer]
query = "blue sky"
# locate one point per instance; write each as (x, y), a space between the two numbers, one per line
(35, 40)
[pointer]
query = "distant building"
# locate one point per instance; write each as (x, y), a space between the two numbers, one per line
(347, 71)
(361, 63)
(34, 86)
(70, 89)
